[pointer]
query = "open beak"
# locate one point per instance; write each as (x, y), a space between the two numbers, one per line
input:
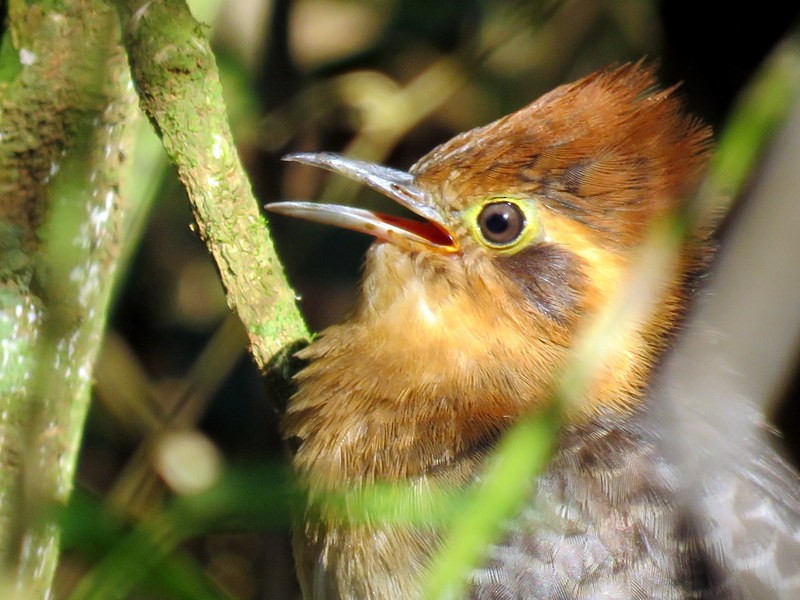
(397, 185)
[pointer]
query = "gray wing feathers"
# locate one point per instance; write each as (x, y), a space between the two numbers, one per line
(609, 519)
(753, 516)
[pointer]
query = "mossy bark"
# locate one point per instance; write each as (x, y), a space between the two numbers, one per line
(176, 76)
(66, 110)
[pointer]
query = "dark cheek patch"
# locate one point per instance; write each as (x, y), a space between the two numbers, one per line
(550, 278)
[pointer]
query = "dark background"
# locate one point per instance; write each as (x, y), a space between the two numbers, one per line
(307, 79)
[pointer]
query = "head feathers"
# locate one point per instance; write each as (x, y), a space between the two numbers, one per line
(609, 151)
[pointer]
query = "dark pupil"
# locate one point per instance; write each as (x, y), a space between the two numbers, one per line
(501, 222)
(497, 222)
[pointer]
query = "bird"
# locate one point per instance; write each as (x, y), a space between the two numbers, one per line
(519, 234)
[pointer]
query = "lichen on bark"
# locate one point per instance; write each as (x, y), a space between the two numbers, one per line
(67, 104)
(66, 109)
(176, 76)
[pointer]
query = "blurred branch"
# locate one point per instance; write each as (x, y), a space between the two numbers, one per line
(756, 274)
(743, 337)
(715, 391)
(136, 487)
(65, 124)
(178, 83)
(758, 114)
(387, 110)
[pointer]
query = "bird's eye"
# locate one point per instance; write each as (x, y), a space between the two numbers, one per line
(504, 224)
(501, 223)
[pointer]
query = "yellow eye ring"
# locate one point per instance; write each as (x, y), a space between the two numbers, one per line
(503, 223)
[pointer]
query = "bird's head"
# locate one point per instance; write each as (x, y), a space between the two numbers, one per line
(527, 229)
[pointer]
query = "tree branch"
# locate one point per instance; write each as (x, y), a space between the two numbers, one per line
(66, 110)
(176, 75)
